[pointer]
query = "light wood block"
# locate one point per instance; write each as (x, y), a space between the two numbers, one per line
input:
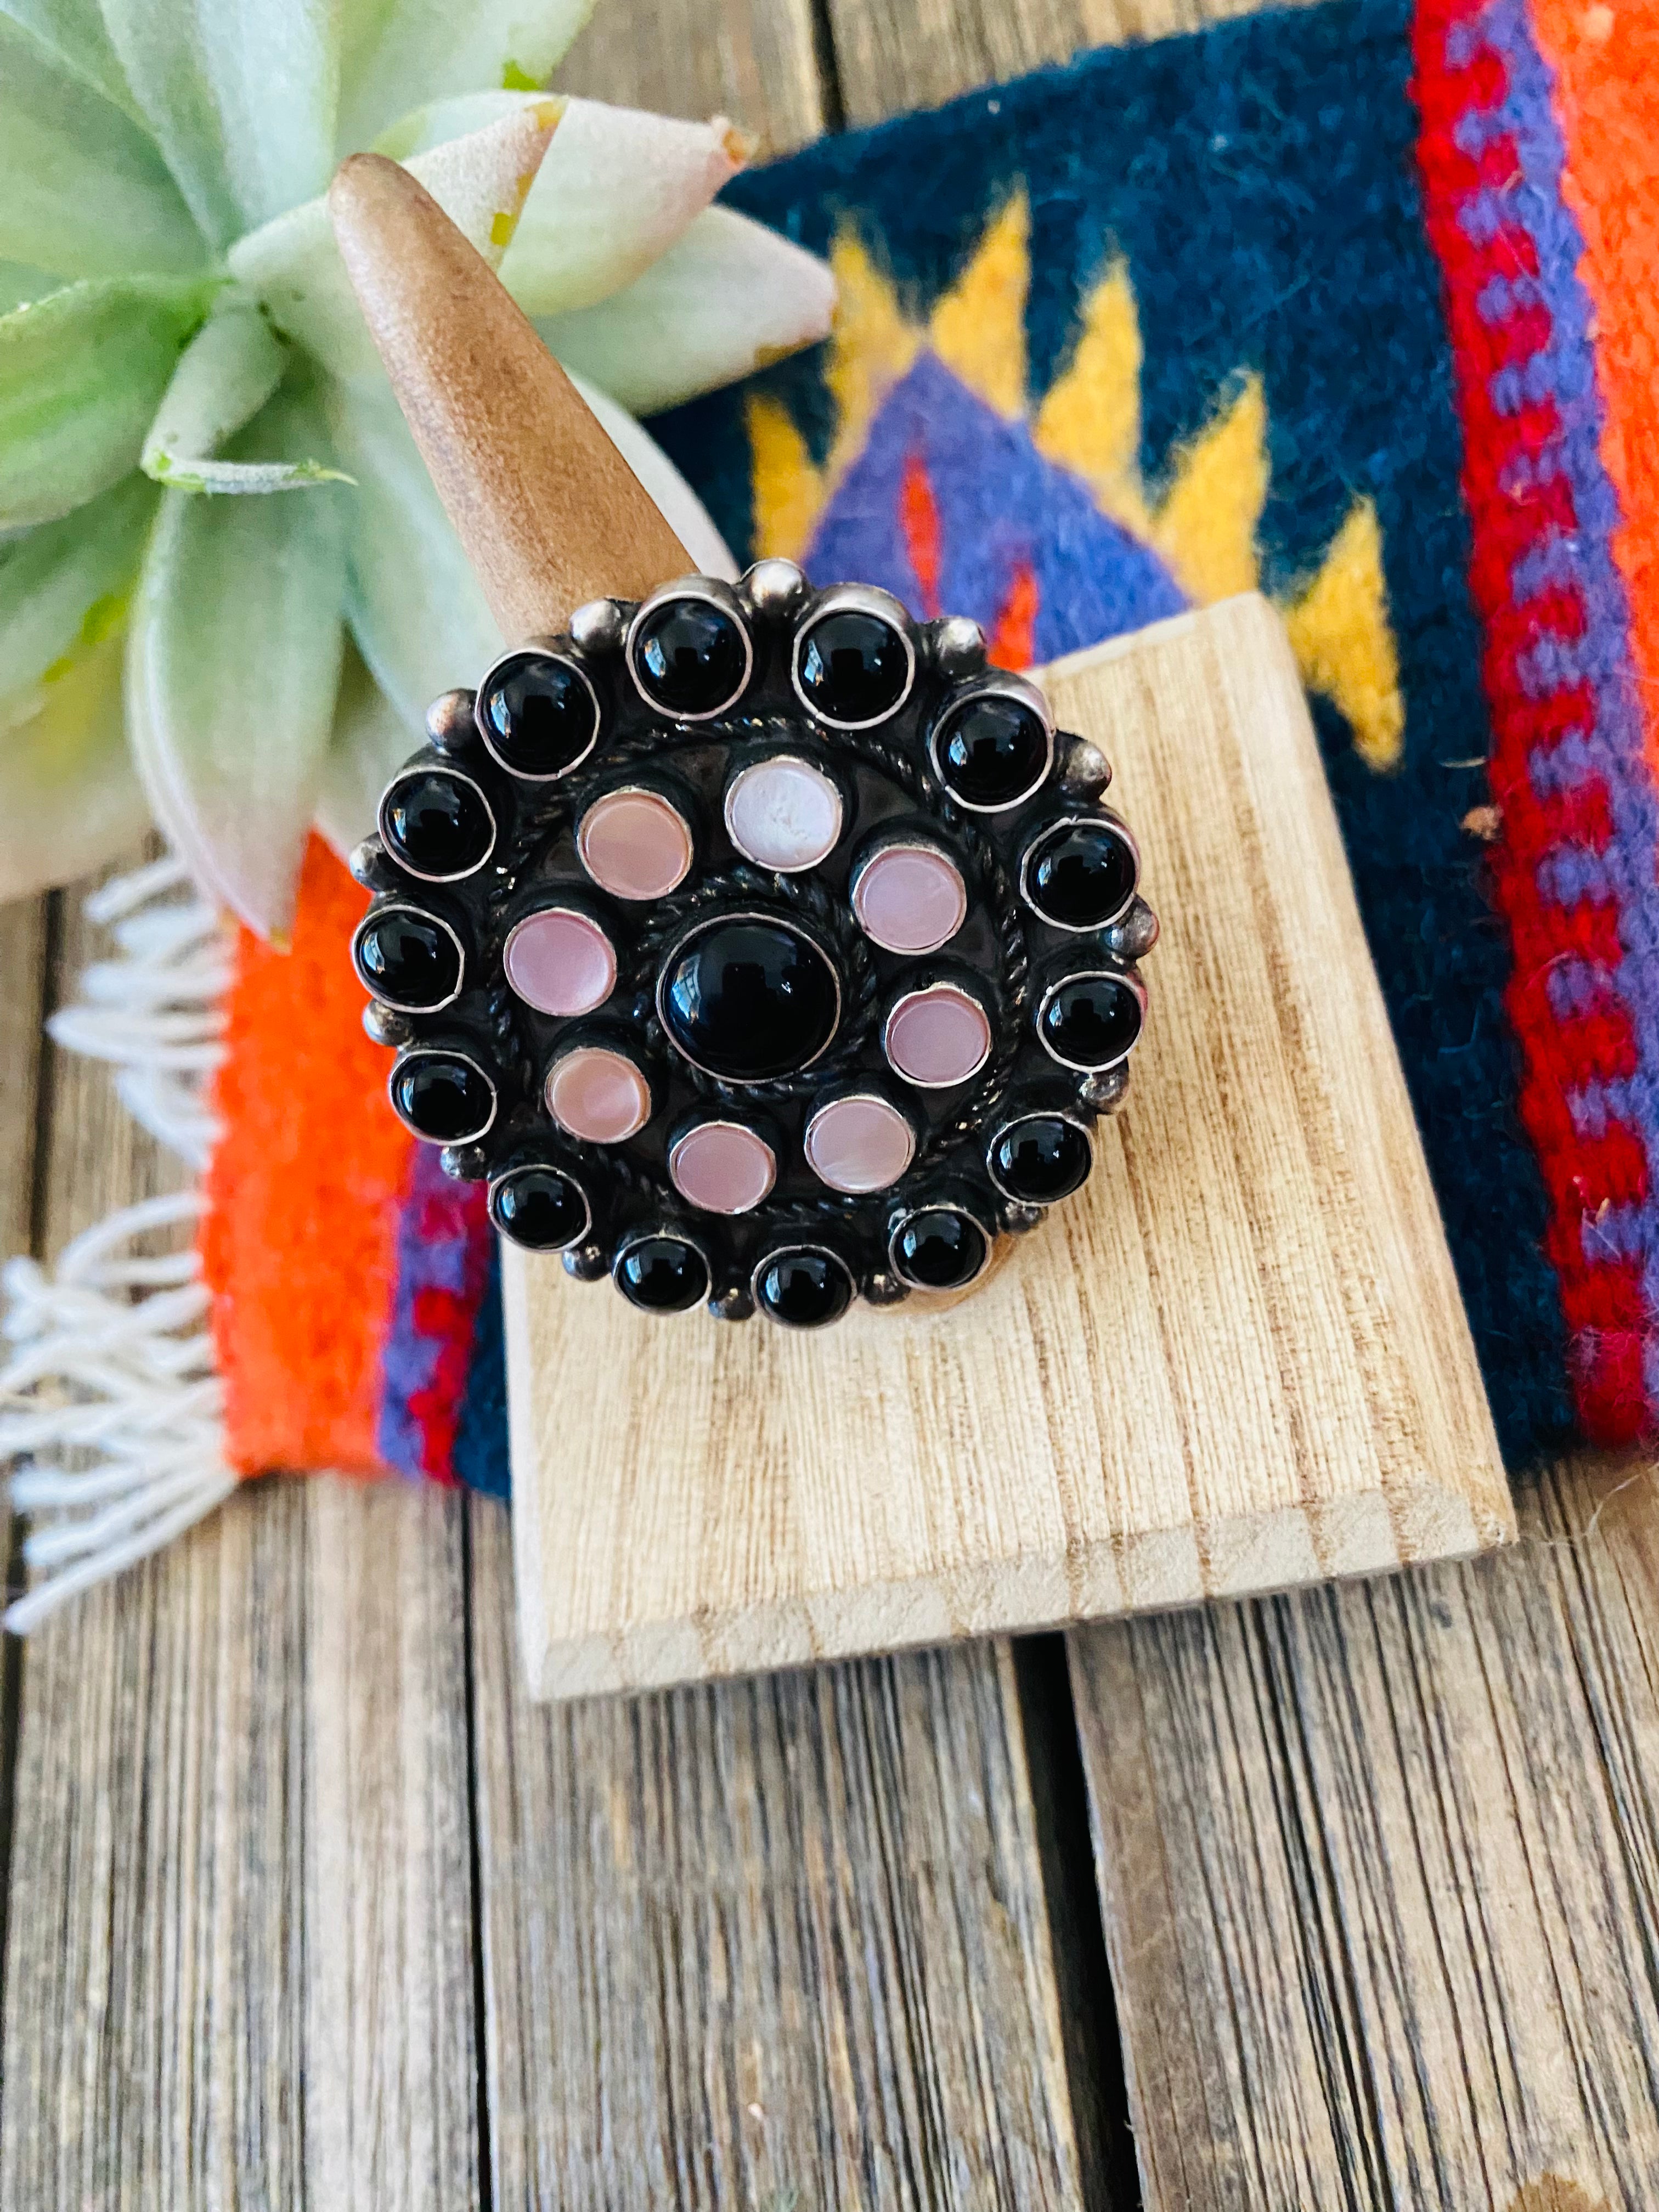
(1237, 1360)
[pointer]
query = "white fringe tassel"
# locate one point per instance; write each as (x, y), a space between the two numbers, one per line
(113, 1364)
(154, 1011)
(111, 1412)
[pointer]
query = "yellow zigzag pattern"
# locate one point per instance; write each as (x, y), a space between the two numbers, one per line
(1204, 526)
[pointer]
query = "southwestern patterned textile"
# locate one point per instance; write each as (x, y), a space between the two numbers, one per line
(1354, 304)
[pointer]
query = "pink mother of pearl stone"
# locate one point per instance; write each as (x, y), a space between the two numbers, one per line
(634, 844)
(722, 1167)
(938, 1037)
(598, 1095)
(783, 814)
(559, 961)
(859, 1143)
(910, 898)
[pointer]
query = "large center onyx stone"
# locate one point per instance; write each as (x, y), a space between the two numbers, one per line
(749, 998)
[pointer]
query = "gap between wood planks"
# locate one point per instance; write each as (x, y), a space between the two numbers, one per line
(28, 932)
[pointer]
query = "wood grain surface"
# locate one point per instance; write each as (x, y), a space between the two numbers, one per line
(240, 1958)
(896, 54)
(1380, 1867)
(778, 1944)
(1238, 1359)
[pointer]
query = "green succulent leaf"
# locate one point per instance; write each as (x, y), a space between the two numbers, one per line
(64, 587)
(81, 373)
(74, 32)
(69, 798)
(293, 267)
(371, 740)
(399, 53)
(615, 190)
(728, 298)
(83, 192)
(233, 671)
(414, 605)
(241, 96)
(19, 284)
(224, 375)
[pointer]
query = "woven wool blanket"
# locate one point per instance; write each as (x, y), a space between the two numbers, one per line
(1353, 304)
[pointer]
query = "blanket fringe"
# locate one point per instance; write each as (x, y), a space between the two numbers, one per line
(111, 1411)
(111, 1402)
(154, 1010)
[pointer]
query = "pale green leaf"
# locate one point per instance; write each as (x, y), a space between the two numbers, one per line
(241, 95)
(65, 587)
(678, 505)
(727, 299)
(401, 52)
(417, 609)
(19, 284)
(293, 267)
(83, 190)
(69, 798)
(74, 32)
(81, 373)
(371, 741)
(616, 188)
(224, 375)
(232, 672)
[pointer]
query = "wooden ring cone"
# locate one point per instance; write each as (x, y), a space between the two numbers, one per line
(1240, 1360)
(550, 513)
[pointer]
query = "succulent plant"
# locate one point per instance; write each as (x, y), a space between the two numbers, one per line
(227, 587)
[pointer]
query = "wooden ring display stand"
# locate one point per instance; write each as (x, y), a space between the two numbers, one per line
(1237, 1360)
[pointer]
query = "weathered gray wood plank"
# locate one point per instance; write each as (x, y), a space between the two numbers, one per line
(773, 1942)
(895, 54)
(240, 1963)
(752, 61)
(22, 981)
(1380, 1874)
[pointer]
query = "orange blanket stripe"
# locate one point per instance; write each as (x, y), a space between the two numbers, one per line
(299, 1245)
(1606, 63)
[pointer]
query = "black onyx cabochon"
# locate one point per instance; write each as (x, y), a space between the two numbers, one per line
(689, 656)
(806, 1289)
(538, 715)
(750, 999)
(992, 751)
(1089, 1021)
(853, 667)
(442, 1096)
(755, 946)
(1041, 1159)
(437, 824)
(662, 1274)
(409, 959)
(1081, 874)
(938, 1248)
(540, 1208)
